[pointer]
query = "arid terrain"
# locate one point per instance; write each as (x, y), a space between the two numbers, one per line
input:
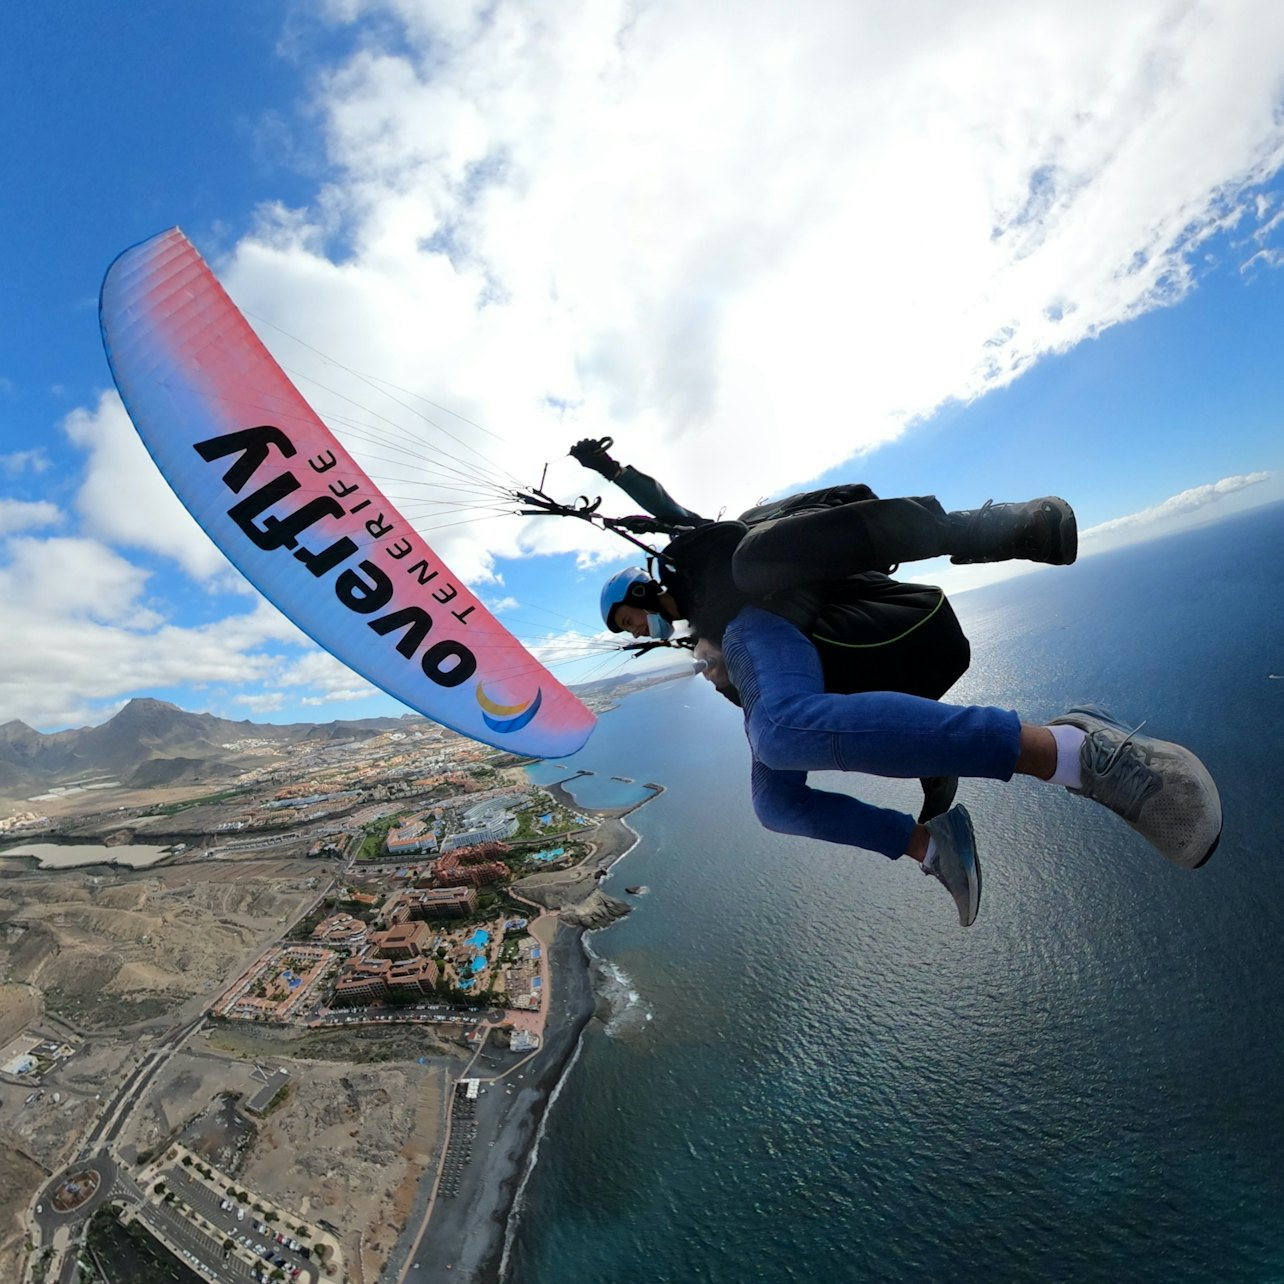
(109, 949)
(360, 1122)
(108, 973)
(107, 959)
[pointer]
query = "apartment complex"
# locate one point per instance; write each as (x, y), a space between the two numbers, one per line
(366, 981)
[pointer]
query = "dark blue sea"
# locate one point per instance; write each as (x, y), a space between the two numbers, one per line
(810, 1072)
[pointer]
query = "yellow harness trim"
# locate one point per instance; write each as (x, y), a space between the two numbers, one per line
(868, 646)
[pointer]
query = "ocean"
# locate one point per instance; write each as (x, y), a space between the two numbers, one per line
(809, 1071)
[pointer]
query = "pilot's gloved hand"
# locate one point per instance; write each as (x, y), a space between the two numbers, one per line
(591, 452)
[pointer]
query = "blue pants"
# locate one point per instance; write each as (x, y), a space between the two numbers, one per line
(794, 726)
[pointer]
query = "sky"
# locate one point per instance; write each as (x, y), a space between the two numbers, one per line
(971, 248)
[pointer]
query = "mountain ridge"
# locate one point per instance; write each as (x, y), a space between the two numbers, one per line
(149, 742)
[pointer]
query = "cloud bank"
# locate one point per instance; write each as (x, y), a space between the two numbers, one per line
(749, 241)
(757, 239)
(1178, 507)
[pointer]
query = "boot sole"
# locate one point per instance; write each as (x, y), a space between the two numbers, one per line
(1067, 533)
(1207, 856)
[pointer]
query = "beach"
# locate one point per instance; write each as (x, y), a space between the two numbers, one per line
(464, 1236)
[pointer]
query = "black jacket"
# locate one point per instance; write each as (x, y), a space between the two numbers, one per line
(872, 632)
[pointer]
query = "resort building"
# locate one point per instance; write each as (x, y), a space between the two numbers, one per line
(370, 980)
(403, 941)
(450, 872)
(363, 981)
(341, 930)
(489, 810)
(413, 976)
(493, 833)
(480, 853)
(277, 986)
(521, 979)
(435, 902)
(413, 835)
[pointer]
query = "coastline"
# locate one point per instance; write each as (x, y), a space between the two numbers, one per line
(466, 1238)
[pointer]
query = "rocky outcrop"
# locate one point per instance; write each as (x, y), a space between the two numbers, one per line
(594, 911)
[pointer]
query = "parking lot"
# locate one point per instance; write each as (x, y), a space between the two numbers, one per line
(423, 1012)
(269, 1246)
(200, 1250)
(459, 1150)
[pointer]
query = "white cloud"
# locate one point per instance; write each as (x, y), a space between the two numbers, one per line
(75, 579)
(319, 671)
(24, 461)
(26, 515)
(80, 630)
(261, 703)
(750, 240)
(338, 696)
(1185, 505)
(124, 499)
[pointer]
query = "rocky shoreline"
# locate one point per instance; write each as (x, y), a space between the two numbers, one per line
(466, 1237)
(464, 1243)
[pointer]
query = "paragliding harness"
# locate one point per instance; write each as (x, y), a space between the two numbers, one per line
(872, 632)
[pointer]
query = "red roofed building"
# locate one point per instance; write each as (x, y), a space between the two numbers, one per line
(413, 976)
(435, 902)
(450, 873)
(363, 981)
(402, 941)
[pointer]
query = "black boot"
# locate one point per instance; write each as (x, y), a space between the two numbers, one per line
(1040, 530)
(938, 796)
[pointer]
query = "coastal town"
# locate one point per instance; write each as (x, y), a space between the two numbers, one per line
(301, 1026)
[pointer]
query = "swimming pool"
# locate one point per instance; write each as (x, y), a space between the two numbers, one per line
(478, 963)
(478, 939)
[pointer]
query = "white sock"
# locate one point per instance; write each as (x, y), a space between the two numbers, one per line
(929, 861)
(1069, 741)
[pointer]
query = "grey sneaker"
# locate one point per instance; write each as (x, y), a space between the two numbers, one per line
(955, 862)
(1161, 789)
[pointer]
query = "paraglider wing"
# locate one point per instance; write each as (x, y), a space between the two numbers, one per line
(278, 493)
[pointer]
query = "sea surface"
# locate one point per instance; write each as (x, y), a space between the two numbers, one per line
(812, 1073)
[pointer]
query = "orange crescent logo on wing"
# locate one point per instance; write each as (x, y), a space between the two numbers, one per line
(499, 710)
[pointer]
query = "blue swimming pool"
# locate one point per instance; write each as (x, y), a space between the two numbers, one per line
(478, 939)
(478, 963)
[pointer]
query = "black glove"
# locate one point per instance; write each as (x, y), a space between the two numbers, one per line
(642, 525)
(591, 452)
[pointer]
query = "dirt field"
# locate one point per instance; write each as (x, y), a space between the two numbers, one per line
(19, 1007)
(349, 1143)
(19, 1176)
(117, 956)
(116, 950)
(192, 1084)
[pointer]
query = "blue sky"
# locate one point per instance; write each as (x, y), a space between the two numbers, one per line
(999, 250)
